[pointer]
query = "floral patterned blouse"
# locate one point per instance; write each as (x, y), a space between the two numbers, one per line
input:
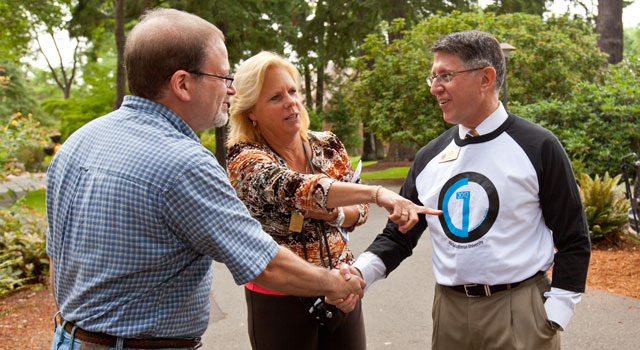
(271, 191)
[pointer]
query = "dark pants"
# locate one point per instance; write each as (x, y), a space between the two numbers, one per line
(279, 322)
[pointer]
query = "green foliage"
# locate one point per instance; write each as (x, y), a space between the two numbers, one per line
(553, 56)
(631, 41)
(315, 120)
(15, 93)
(19, 135)
(343, 124)
(20, 21)
(600, 122)
(534, 7)
(208, 140)
(605, 206)
(23, 258)
(92, 98)
(248, 25)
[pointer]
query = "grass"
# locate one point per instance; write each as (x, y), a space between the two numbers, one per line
(35, 200)
(391, 173)
(354, 161)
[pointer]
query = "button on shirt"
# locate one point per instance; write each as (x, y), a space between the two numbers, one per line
(137, 211)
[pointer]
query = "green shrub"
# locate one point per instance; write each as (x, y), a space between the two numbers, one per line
(23, 258)
(20, 137)
(605, 206)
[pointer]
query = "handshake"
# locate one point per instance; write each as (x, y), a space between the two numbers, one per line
(350, 289)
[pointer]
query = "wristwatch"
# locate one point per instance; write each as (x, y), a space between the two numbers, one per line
(340, 219)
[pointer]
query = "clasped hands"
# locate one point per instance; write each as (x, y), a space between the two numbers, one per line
(402, 212)
(350, 274)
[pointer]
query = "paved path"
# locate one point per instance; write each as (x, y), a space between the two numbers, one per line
(398, 310)
(21, 185)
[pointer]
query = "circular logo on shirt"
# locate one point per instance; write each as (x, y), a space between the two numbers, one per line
(469, 204)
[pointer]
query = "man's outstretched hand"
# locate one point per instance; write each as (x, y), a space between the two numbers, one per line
(349, 303)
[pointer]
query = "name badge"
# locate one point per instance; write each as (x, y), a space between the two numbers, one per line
(449, 155)
(295, 223)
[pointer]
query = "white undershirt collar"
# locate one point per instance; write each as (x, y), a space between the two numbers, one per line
(491, 123)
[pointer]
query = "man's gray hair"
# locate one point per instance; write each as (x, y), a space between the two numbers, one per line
(475, 49)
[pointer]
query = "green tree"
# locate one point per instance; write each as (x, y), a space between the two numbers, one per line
(21, 22)
(553, 56)
(91, 99)
(343, 124)
(27, 20)
(534, 7)
(15, 93)
(632, 41)
(600, 121)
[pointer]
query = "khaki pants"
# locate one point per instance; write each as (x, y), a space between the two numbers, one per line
(511, 319)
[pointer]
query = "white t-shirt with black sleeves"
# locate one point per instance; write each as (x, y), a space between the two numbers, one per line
(508, 197)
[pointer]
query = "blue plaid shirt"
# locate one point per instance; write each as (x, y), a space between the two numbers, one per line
(137, 210)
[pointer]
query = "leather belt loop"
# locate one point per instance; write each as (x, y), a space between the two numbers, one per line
(487, 290)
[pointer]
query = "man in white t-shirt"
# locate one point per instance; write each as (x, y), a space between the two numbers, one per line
(508, 196)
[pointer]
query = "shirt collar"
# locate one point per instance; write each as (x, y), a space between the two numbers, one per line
(491, 123)
(155, 108)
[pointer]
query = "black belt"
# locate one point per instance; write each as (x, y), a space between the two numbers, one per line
(110, 340)
(485, 290)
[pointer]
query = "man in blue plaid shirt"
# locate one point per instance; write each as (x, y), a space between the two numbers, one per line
(138, 209)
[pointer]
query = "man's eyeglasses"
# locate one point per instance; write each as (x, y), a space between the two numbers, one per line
(447, 77)
(228, 80)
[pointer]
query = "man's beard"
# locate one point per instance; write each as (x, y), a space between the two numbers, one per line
(220, 118)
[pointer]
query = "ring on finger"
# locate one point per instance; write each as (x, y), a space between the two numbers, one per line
(404, 213)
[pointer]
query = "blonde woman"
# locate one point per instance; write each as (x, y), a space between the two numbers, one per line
(296, 183)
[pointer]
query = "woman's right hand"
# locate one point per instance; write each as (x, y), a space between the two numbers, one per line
(402, 211)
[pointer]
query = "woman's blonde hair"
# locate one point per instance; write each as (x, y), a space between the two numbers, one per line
(248, 82)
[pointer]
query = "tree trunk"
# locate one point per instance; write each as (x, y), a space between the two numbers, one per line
(397, 9)
(372, 146)
(609, 26)
(221, 146)
(320, 89)
(368, 147)
(307, 86)
(120, 41)
(399, 151)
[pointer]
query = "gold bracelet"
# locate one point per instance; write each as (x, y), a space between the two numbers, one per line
(376, 195)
